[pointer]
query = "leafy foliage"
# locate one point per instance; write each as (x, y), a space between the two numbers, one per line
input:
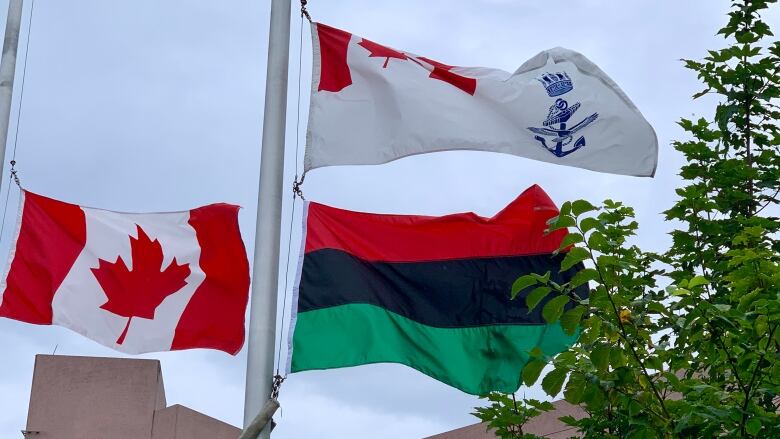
(701, 357)
(506, 416)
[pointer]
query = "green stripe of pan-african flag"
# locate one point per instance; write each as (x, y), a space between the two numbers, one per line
(475, 360)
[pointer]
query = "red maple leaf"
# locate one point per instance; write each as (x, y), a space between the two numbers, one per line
(443, 72)
(378, 50)
(138, 292)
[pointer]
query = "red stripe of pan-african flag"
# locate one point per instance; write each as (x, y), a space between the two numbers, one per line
(517, 230)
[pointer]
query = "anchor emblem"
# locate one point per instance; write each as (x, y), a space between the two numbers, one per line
(559, 114)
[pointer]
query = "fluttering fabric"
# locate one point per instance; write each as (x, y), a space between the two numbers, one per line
(432, 293)
(372, 104)
(134, 282)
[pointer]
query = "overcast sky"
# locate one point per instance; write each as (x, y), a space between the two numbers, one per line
(150, 105)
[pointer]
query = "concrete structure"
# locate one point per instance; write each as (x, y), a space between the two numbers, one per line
(545, 425)
(110, 398)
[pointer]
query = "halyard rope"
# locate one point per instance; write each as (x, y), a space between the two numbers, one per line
(13, 173)
(296, 193)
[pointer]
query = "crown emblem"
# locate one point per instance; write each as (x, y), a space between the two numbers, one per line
(556, 83)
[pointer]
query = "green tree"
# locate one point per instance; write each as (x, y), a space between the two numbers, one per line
(506, 416)
(699, 358)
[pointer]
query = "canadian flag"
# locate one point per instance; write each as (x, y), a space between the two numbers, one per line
(134, 282)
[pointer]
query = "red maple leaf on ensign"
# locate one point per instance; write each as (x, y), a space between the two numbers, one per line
(138, 292)
(380, 51)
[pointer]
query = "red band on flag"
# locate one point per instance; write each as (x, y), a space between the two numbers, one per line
(334, 71)
(515, 231)
(51, 237)
(214, 317)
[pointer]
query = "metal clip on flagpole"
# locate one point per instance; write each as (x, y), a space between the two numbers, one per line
(304, 12)
(252, 431)
(14, 175)
(297, 186)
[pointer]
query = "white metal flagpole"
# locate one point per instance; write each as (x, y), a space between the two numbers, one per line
(7, 72)
(265, 273)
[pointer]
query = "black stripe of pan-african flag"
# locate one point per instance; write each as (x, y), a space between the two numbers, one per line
(446, 293)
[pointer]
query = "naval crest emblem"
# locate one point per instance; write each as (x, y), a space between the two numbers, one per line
(555, 128)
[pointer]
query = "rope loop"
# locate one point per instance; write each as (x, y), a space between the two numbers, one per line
(14, 174)
(297, 191)
(304, 12)
(277, 384)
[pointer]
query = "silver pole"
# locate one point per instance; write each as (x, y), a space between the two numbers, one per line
(265, 277)
(7, 72)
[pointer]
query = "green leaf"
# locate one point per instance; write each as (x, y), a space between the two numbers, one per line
(641, 433)
(701, 93)
(544, 406)
(634, 408)
(567, 358)
(753, 426)
(581, 206)
(573, 257)
(593, 396)
(617, 358)
(560, 222)
(565, 209)
(571, 319)
(542, 278)
(697, 281)
(608, 261)
(522, 283)
(570, 239)
(597, 241)
(761, 325)
(588, 224)
(553, 381)
(592, 330)
(723, 114)
(532, 370)
(554, 308)
(746, 300)
(599, 356)
(536, 296)
(583, 276)
(575, 387)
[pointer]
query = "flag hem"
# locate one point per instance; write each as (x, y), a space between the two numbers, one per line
(316, 75)
(12, 251)
(296, 289)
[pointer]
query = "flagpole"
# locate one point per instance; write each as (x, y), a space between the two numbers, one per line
(7, 72)
(265, 277)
